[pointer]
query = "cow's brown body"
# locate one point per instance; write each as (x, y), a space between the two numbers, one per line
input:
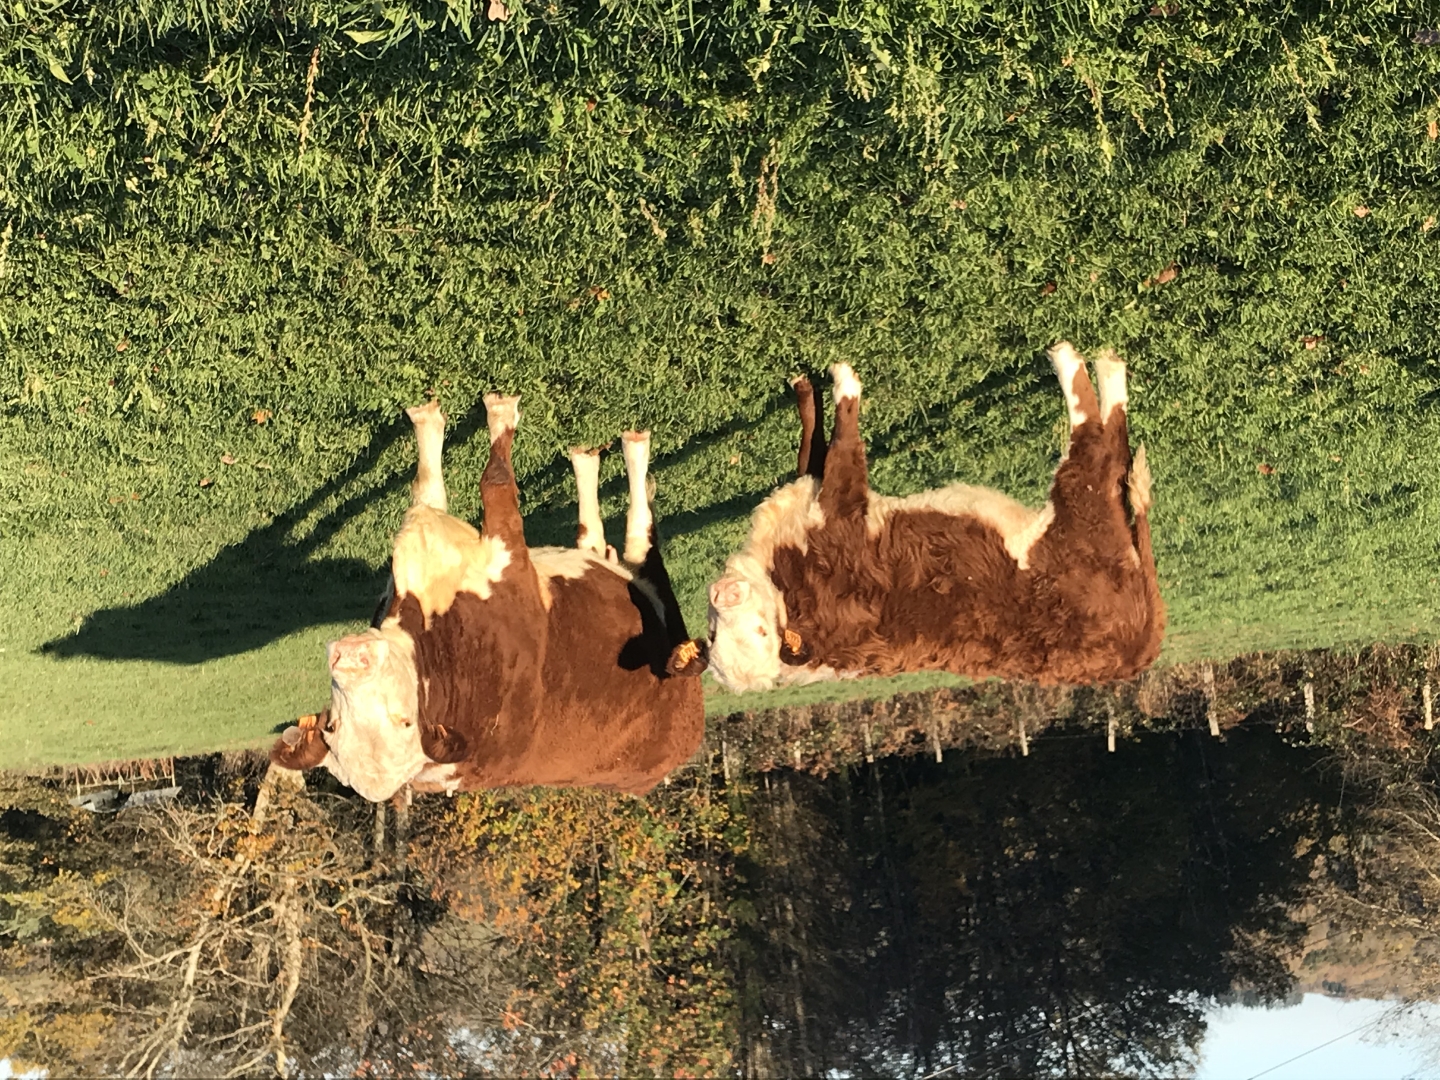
(962, 579)
(524, 667)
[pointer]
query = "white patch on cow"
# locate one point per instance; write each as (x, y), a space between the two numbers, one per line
(1019, 526)
(374, 737)
(435, 777)
(1067, 363)
(747, 612)
(438, 556)
(428, 488)
(501, 414)
(635, 445)
(586, 464)
(1110, 374)
(846, 386)
(572, 564)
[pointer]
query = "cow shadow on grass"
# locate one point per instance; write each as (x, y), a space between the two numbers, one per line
(270, 584)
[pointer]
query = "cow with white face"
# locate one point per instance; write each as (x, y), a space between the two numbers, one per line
(837, 581)
(495, 664)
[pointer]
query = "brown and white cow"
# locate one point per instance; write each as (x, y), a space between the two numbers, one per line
(497, 664)
(837, 580)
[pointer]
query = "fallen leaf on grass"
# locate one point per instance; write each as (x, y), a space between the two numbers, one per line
(1265, 470)
(1433, 130)
(497, 11)
(1048, 288)
(259, 416)
(1362, 210)
(1428, 224)
(206, 481)
(1310, 341)
(122, 344)
(227, 459)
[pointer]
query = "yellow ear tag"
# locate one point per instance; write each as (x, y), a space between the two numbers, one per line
(313, 720)
(792, 639)
(686, 652)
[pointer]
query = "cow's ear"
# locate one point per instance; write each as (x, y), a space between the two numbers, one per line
(299, 748)
(443, 745)
(793, 649)
(358, 654)
(729, 593)
(689, 658)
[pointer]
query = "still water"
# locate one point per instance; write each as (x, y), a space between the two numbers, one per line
(1183, 904)
(1227, 907)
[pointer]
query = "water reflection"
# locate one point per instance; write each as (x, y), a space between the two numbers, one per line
(1069, 913)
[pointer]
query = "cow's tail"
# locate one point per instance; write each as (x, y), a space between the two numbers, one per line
(1138, 489)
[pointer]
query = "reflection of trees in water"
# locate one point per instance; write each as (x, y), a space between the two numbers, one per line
(1066, 913)
(249, 931)
(1376, 905)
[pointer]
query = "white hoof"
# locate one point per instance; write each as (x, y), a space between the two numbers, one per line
(1110, 374)
(1068, 364)
(426, 415)
(847, 386)
(501, 413)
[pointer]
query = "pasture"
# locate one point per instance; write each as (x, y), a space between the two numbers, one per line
(236, 244)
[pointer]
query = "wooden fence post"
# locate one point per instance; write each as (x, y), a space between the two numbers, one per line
(377, 833)
(1207, 676)
(1310, 706)
(869, 746)
(1429, 712)
(1110, 728)
(1024, 741)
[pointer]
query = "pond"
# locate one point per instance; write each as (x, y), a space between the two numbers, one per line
(1183, 905)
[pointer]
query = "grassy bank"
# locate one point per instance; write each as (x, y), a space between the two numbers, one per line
(235, 245)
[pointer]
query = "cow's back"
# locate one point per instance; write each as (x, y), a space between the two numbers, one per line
(927, 590)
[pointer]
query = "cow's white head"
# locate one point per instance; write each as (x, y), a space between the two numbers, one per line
(373, 731)
(746, 629)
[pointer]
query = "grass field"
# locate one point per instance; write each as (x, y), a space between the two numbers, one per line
(234, 247)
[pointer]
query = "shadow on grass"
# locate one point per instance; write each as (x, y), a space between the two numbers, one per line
(267, 586)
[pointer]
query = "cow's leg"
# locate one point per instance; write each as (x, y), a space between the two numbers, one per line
(1110, 372)
(498, 490)
(642, 553)
(586, 464)
(639, 521)
(1086, 494)
(845, 490)
(428, 488)
(811, 460)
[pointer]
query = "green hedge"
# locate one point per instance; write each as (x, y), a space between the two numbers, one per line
(649, 214)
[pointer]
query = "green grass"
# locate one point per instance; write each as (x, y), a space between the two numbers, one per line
(458, 217)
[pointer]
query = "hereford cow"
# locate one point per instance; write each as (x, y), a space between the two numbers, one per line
(496, 664)
(837, 580)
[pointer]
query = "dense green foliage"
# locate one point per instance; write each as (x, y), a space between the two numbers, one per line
(238, 238)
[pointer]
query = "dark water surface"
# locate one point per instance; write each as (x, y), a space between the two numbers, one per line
(1185, 905)
(1071, 912)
